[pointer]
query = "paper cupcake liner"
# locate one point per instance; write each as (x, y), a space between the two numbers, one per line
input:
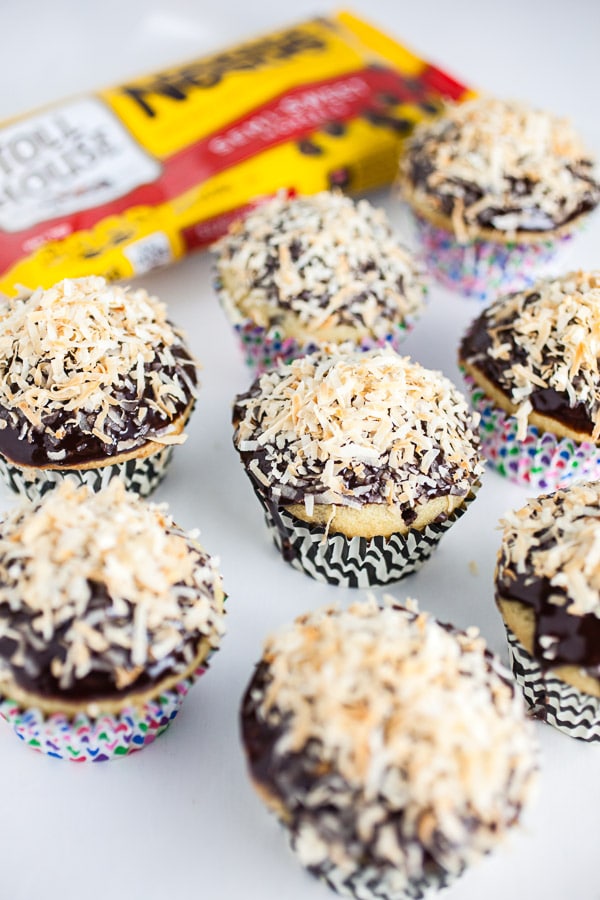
(541, 460)
(141, 476)
(556, 702)
(376, 883)
(83, 738)
(356, 561)
(262, 349)
(484, 269)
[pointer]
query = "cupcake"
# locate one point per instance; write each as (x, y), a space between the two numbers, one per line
(531, 366)
(94, 382)
(394, 750)
(301, 272)
(548, 592)
(496, 188)
(108, 612)
(361, 462)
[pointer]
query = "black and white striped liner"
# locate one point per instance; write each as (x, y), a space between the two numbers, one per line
(356, 561)
(553, 700)
(372, 883)
(141, 476)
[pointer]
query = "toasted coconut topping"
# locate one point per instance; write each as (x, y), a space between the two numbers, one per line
(557, 537)
(101, 586)
(489, 163)
(417, 735)
(352, 428)
(545, 338)
(324, 261)
(99, 358)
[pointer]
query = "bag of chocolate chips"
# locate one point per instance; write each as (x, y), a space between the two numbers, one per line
(135, 176)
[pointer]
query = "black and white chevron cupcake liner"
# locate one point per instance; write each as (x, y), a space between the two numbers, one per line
(141, 476)
(374, 883)
(356, 561)
(558, 703)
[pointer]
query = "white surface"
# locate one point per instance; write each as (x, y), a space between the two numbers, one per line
(181, 819)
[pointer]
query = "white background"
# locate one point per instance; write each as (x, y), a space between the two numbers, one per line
(180, 818)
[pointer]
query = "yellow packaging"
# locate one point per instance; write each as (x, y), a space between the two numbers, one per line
(134, 177)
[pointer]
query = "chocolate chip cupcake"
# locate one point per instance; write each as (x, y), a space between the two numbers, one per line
(497, 187)
(394, 750)
(361, 462)
(531, 366)
(301, 272)
(108, 612)
(548, 592)
(94, 382)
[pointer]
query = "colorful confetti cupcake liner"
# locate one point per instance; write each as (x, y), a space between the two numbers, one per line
(484, 269)
(83, 738)
(553, 700)
(264, 348)
(542, 460)
(357, 561)
(141, 476)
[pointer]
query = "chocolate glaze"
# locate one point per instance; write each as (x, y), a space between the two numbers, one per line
(518, 196)
(24, 444)
(291, 777)
(578, 636)
(34, 674)
(474, 349)
(260, 739)
(371, 476)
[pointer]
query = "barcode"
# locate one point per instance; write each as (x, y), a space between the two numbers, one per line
(149, 252)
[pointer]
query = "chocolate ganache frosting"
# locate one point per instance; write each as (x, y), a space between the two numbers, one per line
(89, 371)
(549, 562)
(540, 349)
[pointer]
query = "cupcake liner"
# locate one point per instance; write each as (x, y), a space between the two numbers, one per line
(553, 700)
(484, 269)
(542, 460)
(83, 738)
(377, 883)
(357, 561)
(141, 476)
(263, 348)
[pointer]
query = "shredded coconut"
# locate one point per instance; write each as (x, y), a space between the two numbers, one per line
(496, 164)
(323, 259)
(102, 581)
(411, 727)
(547, 337)
(557, 537)
(72, 347)
(351, 424)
